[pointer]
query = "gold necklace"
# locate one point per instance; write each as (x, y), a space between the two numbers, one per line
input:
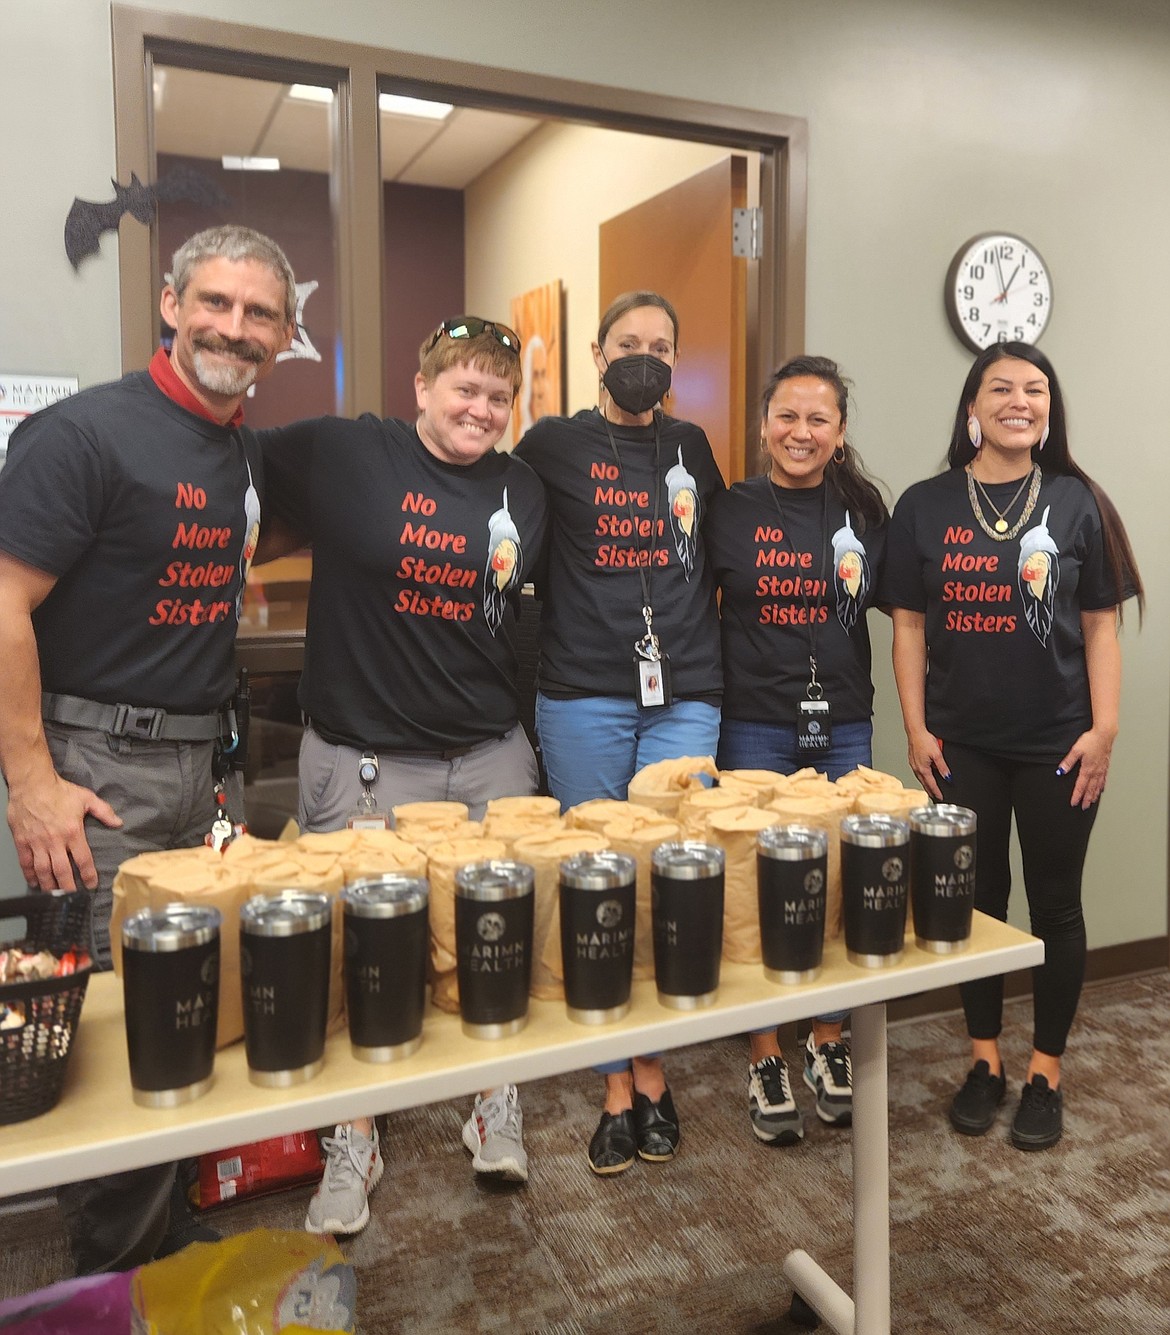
(1001, 532)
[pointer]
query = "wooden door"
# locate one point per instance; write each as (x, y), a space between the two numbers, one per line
(679, 243)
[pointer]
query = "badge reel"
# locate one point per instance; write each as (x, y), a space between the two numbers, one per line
(651, 669)
(814, 725)
(367, 816)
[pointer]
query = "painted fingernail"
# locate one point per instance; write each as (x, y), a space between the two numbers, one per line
(949, 778)
(1060, 771)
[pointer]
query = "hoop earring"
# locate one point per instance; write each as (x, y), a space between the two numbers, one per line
(1043, 437)
(974, 432)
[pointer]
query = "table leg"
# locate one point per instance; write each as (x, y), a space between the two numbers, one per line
(868, 1313)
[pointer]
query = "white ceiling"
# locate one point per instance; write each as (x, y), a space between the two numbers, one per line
(209, 115)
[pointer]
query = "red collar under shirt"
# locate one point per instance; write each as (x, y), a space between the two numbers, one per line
(167, 379)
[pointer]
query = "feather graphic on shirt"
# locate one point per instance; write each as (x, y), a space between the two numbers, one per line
(682, 497)
(1039, 574)
(251, 538)
(505, 564)
(851, 577)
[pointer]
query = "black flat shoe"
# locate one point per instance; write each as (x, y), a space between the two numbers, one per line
(656, 1125)
(614, 1144)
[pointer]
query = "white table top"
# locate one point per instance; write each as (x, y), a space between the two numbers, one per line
(97, 1127)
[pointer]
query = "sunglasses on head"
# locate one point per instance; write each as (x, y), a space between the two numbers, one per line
(471, 326)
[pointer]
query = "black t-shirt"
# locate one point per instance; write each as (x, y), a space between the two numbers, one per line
(148, 515)
(602, 529)
(417, 571)
(794, 575)
(1005, 653)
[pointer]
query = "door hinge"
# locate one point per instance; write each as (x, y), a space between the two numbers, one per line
(747, 233)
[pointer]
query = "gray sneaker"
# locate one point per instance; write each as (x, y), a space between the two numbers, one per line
(828, 1072)
(494, 1133)
(775, 1117)
(353, 1168)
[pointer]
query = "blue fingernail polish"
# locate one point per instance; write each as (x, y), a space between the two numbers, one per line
(1060, 771)
(949, 778)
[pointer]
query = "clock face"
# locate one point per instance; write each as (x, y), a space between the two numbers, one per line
(998, 291)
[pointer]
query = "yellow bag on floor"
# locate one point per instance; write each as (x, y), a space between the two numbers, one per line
(257, 1283)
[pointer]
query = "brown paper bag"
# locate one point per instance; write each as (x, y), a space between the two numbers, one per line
(662, 784)
(890, 802)
(735, 832)
(822, 813)
(510, 828)
(524, 808)
(637, 838)
(866, 780)
(765, 782)
(596, 814)
(443, 861)
(700, 804)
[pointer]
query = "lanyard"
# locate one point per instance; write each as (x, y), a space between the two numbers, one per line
(648, 647)
(815, 690)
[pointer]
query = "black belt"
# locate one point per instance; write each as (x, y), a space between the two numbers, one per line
(137, 720)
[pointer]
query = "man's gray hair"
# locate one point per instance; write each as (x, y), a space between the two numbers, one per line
(234, 242)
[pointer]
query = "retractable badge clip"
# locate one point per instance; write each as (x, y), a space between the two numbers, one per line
(651, 668)
(367, 816)
(814, 728)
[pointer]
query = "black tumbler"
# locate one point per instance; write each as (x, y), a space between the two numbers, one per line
(597, 897)
(791, 866)
(942, 877)
(170, 986)
(686, 904)
(494, 907)
(874, 879)
(386, 945)
(285, 942)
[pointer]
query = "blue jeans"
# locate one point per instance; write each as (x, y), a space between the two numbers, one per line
(593, 746)
(747, 744)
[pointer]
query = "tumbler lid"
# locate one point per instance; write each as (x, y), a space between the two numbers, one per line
(388, 896)
(495, 878)
(286, 913)
(173, 927)
(943, 820)
(598, 871)
(876, 831)
(792, 843)
(688, 860)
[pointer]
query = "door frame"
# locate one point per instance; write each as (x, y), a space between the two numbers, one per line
(776, 290)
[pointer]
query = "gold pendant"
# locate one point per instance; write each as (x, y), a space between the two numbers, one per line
(1001, 526)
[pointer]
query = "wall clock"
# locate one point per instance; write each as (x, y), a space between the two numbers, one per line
(998, 290)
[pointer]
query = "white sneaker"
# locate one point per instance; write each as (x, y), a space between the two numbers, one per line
(353, 1168)
(828, 1072)
(494, 1133)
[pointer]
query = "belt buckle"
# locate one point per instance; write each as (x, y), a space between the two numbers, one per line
(131, 721)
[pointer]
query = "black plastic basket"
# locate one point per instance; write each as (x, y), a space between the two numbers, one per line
(34, 1057)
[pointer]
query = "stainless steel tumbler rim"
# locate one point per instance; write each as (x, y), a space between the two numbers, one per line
(296, 1075)
(942, 947)
(598, 871)
(172, 1098)
(389, 896)
(876, 831)
(687, 860)
(501, 1029)
(173, 927)
(605, 1016)
(286, 913)
(792, 977)
(494, 879)
(792, 843)
(943, 821)
(393, 1052)
(875, 961)
(677, 1002)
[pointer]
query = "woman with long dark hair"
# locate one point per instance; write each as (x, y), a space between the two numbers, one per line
(798, 553)
(1006, 574)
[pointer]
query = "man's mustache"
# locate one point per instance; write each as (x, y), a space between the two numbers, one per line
(243, 348)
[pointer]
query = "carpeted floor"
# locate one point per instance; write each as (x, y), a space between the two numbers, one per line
(984, 1238)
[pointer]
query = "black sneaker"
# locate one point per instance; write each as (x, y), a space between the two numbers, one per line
(775, 1117)
(974, 1107)
(1039, 1120)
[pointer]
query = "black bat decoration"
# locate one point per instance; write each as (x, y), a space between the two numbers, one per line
(88, 219)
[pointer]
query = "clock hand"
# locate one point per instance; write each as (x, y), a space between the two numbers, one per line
(1012, 279)
(999, 270)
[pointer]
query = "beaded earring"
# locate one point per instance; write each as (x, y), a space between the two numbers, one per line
(1043, 437)
(974, 432)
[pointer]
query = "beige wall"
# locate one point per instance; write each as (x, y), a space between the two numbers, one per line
(929, 120)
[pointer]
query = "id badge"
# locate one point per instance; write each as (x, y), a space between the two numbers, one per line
(367, 818)
(814, 727)
(652, 682)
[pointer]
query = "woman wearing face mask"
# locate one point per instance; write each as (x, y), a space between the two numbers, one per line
(797, 553)
(1006, 574)
(629, 641)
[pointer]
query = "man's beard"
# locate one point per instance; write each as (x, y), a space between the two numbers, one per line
(224, 378)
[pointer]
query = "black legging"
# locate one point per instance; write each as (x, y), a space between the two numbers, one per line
(1054, 838)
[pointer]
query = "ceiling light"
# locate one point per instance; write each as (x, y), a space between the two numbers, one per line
(418, 107)
(231, 164)
(310, 92)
